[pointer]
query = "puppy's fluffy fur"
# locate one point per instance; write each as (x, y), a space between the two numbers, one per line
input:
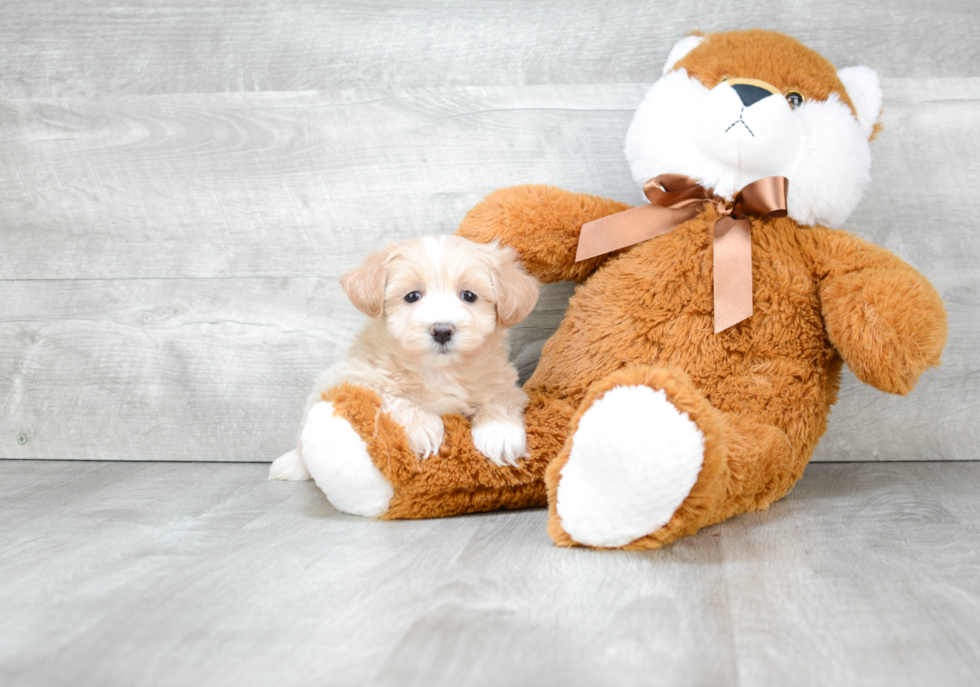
(436, 344)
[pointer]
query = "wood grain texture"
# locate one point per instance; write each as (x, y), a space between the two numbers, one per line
(281, 184)
(883, 547)
(181, 183)
(180, 369)
(286, 184)
(219, 223)
(89, 47)
(206, 574)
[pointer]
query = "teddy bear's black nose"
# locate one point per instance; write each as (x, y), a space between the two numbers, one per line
(749, 94)
(441, 332)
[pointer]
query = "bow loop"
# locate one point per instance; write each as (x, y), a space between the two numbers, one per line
(674, 199)
(765, 197)
(675, 191)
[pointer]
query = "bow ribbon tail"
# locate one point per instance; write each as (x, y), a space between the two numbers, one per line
(732, 254)
(674, 199)
(628, 228)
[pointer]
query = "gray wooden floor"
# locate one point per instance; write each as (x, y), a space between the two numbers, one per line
(148, 573)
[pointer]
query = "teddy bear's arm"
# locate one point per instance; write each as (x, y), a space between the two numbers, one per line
(884, 318)
(542, 223)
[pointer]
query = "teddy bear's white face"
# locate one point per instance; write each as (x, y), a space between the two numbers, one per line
(748, 127)
(744, 129)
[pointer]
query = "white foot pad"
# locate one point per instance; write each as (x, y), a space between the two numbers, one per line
(634, 460)
(338, 460)
(289, 467)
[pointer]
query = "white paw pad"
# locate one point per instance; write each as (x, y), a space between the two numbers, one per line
(289, 467)
(502, 442)
(338, 460)
(634, 460)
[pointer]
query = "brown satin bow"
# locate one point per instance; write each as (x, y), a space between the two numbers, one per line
(675, 198)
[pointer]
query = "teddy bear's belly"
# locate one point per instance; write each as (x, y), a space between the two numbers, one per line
(656, 308)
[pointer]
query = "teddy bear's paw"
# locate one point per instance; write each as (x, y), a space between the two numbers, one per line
(633, 461)
(289, 467)
(337, 459)
(500, 441)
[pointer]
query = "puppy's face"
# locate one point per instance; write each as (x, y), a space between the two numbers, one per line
(442, 296)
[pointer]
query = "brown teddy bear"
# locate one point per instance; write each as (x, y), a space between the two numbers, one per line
(694, 370)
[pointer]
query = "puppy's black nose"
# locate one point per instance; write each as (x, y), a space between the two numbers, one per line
(441, 332)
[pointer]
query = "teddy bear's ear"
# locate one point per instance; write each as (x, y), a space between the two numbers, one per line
(365, 285)
(864, 88)
(680, 49)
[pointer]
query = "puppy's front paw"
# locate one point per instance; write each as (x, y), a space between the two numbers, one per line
(425, 432)
(502, 442)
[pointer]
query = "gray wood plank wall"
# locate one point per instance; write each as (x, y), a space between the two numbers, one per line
(181, 184)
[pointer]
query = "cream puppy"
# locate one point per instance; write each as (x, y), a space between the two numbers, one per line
(440, 308)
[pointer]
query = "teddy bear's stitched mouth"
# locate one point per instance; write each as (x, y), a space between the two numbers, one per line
(742, 122)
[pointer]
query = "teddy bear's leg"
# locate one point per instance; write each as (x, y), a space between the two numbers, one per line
(457, 480)
(337, 459)
(649, 459)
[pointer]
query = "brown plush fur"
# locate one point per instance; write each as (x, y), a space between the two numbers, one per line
(774, 58)
(459, 479)
(760, 391)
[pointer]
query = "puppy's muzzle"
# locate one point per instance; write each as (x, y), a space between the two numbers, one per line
(442, 332)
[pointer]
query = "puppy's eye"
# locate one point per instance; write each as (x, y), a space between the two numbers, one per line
(413, 296)
(795, 99)
(468, 296)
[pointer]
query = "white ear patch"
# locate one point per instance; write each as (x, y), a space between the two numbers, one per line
(864, 88)
(680, 49)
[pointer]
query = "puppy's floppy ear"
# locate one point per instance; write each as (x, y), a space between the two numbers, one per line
(365, 285)
(516, 290)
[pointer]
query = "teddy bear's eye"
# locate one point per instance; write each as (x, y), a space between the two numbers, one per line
(795, 99)
(413, 296)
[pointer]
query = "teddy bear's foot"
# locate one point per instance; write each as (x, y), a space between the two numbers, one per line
(337, 459)
(289, 467)
(643, 463)
(634, 459)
